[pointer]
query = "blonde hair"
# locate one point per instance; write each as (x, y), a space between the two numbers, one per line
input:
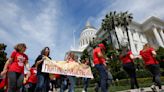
(19, 47)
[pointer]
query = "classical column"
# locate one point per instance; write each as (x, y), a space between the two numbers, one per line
(133, 49)
(157, 36)
(162, 34)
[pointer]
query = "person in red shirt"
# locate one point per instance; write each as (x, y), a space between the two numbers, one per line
(17, 61)
(100, 64)
(31, 79)
(148, 55)
(127, 57)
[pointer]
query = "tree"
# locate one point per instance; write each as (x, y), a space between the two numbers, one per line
(125, 19)
(110, 23)
(113, 20)
(160, 56)
(3, 55)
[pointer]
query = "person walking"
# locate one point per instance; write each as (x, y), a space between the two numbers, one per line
(31, 79)
(148, 55)
(43, 79)
(72, 80)
(15, 72)
(85, 80)
(127, 58)
(100, 64)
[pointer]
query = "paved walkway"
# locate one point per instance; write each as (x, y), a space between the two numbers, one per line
(146, 89)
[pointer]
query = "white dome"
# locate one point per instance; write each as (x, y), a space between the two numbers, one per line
(87, 35)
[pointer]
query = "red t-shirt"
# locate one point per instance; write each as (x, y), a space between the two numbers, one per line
(3, 83)
(96, 59)
(57, 76)
(33, 77)
(148, 57)
(18, 62)
(126, 59)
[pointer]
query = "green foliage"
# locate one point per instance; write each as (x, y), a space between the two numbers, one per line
(84, 55)
(142, 73)
(160, 56)
(120, 75)
(3, 55)
(114, 19)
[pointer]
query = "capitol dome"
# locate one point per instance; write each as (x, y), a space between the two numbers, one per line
(87, 36)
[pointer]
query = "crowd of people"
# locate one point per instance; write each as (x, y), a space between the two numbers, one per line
(15, 80)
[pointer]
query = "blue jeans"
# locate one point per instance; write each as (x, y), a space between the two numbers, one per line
(85, 83)
(42, 83)
(103, 77)
(72, 81)
(64, 84)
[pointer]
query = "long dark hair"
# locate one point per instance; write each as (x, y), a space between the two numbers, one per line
(43, 51)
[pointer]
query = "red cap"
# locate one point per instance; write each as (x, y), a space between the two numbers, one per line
(101, 46)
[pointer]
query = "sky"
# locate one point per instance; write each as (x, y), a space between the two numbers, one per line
(52, 23)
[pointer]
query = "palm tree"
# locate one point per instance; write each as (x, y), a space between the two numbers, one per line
(125, 19)
(110, 23)
(113, 20)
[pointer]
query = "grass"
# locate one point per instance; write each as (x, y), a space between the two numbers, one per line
(143, 82)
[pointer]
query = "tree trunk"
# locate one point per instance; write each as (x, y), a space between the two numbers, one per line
(110, 37)
(117, 38)
(129, 44)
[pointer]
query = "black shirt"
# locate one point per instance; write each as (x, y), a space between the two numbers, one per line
(39, 68)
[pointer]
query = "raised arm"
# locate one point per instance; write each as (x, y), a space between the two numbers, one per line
(8, 62)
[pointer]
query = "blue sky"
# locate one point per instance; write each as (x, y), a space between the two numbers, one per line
(40, 23)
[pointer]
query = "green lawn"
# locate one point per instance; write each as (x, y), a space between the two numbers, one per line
(123, 85)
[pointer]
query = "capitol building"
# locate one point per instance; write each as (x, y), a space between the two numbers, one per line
(150, 31)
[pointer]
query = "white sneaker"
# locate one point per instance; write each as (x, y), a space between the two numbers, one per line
(153, 88)
(83, 91)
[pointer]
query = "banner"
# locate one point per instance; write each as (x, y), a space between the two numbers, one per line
(64, 68)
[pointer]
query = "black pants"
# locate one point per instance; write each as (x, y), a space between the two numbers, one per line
(155, 71)
(15, 81)
(131, 71)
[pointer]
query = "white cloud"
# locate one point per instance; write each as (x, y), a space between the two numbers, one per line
(141, 9)
(36, 32)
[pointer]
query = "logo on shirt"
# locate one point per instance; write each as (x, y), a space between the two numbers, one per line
(21, 60)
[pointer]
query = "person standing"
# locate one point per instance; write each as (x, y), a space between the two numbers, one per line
(31, 79)
(127, 57)
(43, 78)
(17, 61)
(148, 55)
(85, 80)
(72, 80)
(100, 64)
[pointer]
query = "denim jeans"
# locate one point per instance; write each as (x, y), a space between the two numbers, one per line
(42, 83)
(64, 84)
(72, 81)
(15, 81)
(155, 71)
(85, 83)
(103, 77)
